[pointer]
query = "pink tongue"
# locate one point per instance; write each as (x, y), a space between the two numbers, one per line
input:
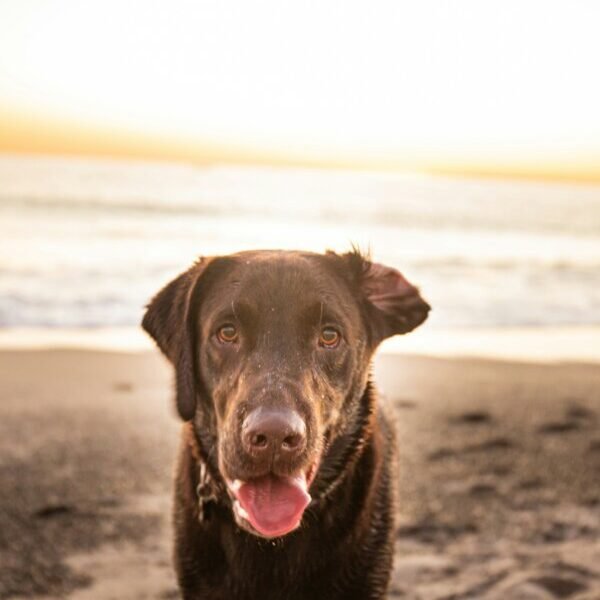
(274, 504)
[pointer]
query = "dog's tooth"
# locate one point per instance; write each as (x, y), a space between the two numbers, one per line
(235, 485)
(241, 511)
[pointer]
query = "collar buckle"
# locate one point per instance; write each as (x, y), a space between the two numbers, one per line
(205, 492)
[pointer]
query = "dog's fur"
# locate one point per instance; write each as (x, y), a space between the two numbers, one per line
(279, 301)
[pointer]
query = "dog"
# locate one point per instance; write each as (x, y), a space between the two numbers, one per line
(286, 478)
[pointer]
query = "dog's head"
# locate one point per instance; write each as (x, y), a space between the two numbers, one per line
(271, 351)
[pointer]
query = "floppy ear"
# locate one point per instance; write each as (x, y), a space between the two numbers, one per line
(398, 303)
(168, 322)
(394, 305)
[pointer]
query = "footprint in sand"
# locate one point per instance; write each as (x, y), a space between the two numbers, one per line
(530, 484)
(579, 412)
(431, 532)
(491, 445)
(406, 404)
(576, 417)
(558, 427)
(442, 453)
(496, 443)
(123, 386)
(541, 587)
(483, 489)
(474, 417)
(53, 510)
(591, 501)
(499, 470)
(560, 531)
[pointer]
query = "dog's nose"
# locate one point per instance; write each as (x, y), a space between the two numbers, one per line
(271, 431)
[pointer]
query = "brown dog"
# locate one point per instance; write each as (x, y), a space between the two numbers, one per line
(286, 478)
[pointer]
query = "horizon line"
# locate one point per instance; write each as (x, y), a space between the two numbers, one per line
(33, 135)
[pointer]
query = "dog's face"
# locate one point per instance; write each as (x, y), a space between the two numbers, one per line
(272, 351)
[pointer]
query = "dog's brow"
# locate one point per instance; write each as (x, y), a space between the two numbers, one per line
(330, 313)
(314, 312)
(240, 310)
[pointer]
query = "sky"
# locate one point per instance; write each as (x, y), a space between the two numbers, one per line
(507, 87)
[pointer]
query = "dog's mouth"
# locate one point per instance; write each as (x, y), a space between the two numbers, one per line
(271, 505)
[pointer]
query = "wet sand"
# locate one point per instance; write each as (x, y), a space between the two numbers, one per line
(499, 475)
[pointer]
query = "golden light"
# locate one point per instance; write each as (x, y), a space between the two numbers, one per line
(412, 84)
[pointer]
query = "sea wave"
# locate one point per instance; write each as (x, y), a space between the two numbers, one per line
(87, 243)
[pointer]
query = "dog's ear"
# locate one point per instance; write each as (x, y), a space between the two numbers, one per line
(393, 304)
(398, 302)
(169, 321)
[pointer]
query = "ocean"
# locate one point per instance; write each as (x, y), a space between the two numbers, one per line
(85, 243)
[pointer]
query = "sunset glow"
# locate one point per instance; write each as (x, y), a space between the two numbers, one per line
(471, 86)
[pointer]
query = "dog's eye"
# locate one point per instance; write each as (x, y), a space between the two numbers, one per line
(329, 337)
(227, 334)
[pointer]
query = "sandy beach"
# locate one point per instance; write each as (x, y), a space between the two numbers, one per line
(500, 477)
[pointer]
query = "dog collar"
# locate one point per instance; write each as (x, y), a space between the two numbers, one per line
(205, 491)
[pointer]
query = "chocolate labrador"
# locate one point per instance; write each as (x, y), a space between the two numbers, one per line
(286, 476)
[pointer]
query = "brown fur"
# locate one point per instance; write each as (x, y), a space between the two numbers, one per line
(344, 546)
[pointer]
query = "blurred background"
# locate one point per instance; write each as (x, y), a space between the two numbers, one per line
(460, 143)
(457, 141)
